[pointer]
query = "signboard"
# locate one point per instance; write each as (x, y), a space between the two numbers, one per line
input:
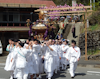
(74, 3)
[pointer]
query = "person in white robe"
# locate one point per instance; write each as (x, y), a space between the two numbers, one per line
(49, 60)
(64, 49)
(73, 56)
(58, 50)
(56, 56)
(16, 42)
(35, 56)
(43, 51)
(9, 66)
(29, 60)
(40, 58)
(21, 62)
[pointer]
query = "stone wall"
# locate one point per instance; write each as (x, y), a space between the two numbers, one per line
(93, 41)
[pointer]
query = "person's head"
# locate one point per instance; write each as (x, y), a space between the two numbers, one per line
(35, 41)
(56, 42)
(39, 42)
(30, 42)
(73, 26)
(16, 41)
(73, 43)
(19, 41)
(21, 45)
(10, 41)
(50, 41)
(65, 42)
(58, 33)
(60, 42)
(53, 42)
(27, 41)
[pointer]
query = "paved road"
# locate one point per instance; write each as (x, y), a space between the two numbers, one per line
(81, 73)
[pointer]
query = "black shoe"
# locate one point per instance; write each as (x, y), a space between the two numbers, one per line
(72, 77)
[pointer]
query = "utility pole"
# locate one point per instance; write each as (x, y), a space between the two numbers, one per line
(86, 35)
(94, 4)
(91, 3)
(73, 3)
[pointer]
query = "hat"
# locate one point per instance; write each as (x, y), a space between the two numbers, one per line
(63, 40)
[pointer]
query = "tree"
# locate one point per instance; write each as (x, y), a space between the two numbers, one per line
(69, 2)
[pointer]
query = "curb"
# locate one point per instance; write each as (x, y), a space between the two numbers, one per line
(90, 66)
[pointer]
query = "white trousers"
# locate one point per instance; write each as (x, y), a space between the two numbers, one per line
(64, 61)
(21, 74)
(73, 67)
(49, 74)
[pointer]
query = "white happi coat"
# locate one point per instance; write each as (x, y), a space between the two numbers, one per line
(21, 62)
(64, 49)
(35, 58)
(9, 66)
(41, 66)
(30, 63)
(58, 54)
(49, 60)
(43, 49)
(73, 54)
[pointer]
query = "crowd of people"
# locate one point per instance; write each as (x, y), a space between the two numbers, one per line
(31, 59)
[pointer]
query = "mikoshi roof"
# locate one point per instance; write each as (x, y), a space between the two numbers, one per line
(26, 3)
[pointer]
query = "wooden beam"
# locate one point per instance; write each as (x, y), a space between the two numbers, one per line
(64, 14)
(83, 11)
(86, 35)
(21, 5)
(67, 8)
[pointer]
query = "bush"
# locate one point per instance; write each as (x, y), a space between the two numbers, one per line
(95, 18)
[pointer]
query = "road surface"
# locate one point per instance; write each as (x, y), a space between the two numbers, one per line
(81, 73)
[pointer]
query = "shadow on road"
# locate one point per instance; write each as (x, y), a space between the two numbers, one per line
(80, 74)
(58, 75)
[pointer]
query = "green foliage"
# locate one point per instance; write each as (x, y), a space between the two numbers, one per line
(62, 2)
(93, 28)
(93, 52)
(95, 17)
(69, 2)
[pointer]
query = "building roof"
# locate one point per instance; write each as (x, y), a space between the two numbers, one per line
(28, 2)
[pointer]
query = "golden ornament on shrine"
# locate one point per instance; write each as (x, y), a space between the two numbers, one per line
(41, 12)
(28, 20)
(41, 15)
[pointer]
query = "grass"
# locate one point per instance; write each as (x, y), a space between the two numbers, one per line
(93, 52)
(92, 28)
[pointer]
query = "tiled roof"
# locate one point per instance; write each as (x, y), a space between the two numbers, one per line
(47, 3)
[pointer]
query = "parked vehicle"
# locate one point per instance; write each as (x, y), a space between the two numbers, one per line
(1, 48)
